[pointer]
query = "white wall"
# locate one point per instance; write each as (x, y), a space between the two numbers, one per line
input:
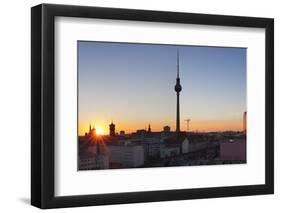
(15, 105)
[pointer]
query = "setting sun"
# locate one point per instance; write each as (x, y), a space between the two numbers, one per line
(99, 131)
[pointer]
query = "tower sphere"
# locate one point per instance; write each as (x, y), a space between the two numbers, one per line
(178, 87)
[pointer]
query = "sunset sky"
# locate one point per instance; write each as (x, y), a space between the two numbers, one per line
(133, 85)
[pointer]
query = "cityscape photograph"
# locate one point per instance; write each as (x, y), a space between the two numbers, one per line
(160, 105)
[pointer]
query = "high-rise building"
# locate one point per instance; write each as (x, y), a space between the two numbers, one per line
(245, 122)
(178, 89)
(112, 129)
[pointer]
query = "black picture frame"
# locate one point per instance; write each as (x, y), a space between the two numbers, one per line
(43, 102)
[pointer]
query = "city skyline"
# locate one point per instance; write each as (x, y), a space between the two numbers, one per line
(133, 85)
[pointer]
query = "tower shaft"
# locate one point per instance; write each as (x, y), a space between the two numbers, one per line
(178, 113)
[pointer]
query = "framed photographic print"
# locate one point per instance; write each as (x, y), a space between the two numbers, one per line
(139, 106)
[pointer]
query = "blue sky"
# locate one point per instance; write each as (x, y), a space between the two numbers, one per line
(133, 85)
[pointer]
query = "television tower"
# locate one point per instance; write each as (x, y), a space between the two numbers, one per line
(178, 88)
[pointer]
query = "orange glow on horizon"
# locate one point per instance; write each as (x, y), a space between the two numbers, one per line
(100, 131)
(200, 126)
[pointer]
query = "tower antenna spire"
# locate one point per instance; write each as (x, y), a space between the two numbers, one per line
(178, 66)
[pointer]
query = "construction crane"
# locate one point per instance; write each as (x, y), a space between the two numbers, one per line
(187, 124)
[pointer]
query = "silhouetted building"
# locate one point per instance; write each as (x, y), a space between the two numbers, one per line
(141, 133)
(245, 122)
(122, 133)
(92, 131)
(149, 128)
(166, 129)
(112, 129)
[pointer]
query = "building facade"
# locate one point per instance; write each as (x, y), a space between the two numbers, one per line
(126, 156)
